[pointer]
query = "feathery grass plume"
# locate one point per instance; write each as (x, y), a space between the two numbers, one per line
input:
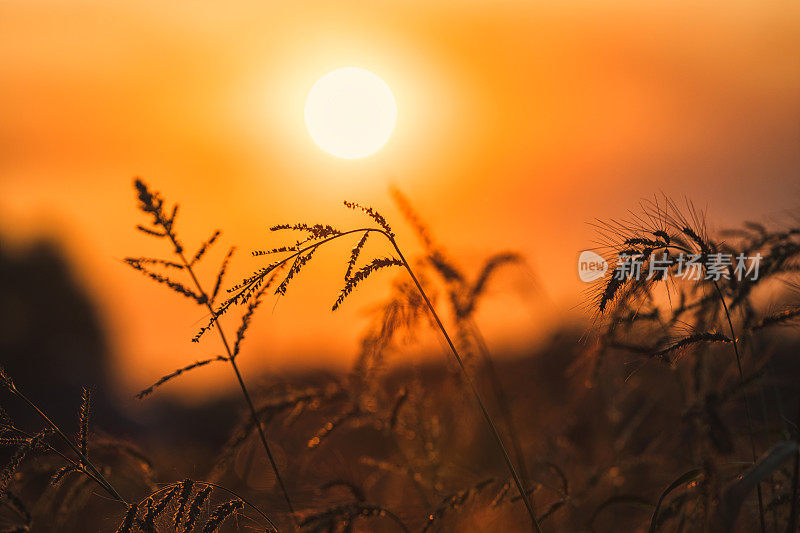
(658, 226)
(221, 274)
(62, 472)
(183, 499)
(127, 524)
(148, 523)
(436, 255)
(176, 286)
(298, 263)
(412, 217)
(287, 401)
(244, 292)
(13, 441)
(160, 505)
(489, 267)
(372, 213)
(26, 447)
(393, 322)
(148, 231)
(277, 250)
(690, 340)
(85, 414)
(328, 234)
(708, 304)
(697, 239)
(41, 440)
(172, 375)
(351, 263)
(141, 261)
(220, 514)
(778, 319)
(445, 268)
(204, 247)
(345, 515)
(464, 298)
(362, 274)
(153, 204)
(315, 231)
(252, 306)
(6, 380)
(196, 508)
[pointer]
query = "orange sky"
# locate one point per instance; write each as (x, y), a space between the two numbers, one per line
(518, 122)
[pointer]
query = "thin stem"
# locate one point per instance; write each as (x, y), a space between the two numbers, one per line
(69, 460)
(472, 387)
(248, 399)
(746, 405)
(741, 376)
(244, 288)
(95, 474)
(471, 383)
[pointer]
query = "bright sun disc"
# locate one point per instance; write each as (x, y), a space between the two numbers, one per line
(350, 112)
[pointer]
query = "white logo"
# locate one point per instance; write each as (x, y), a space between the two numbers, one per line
(591, 266)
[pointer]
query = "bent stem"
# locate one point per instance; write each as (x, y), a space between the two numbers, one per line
(248, 399)
(472, 386)
(93, 473)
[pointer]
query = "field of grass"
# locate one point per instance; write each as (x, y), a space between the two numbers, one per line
(676, 409)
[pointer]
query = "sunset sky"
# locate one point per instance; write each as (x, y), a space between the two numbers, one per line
(517, 123)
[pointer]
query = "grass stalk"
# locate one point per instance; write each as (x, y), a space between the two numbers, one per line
(746, 405)
(245, 393)
(224, 489)
(473, 387)
(462, 367)
(93, 472)
(502, 402)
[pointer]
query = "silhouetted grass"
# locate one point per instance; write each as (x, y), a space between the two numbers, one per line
(674, 415)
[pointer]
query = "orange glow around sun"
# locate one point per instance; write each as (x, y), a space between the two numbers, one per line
(350, 113)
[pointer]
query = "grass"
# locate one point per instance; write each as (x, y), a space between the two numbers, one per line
(651, 423)
(162, 226)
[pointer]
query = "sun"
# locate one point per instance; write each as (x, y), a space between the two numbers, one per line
(350, 112)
